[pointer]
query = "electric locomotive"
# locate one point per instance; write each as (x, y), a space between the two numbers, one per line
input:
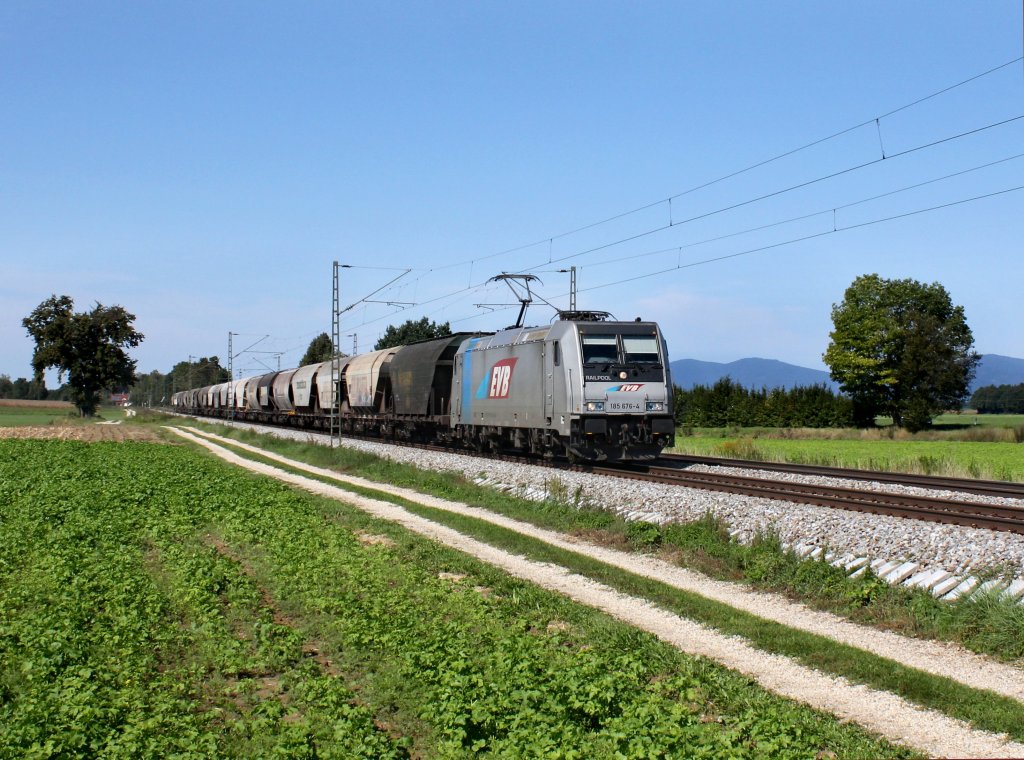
(584, 387)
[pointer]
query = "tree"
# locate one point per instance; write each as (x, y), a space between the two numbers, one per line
(989, 399)
(901, 348)
(198, 374)
(89, 347)
(320, 350)
(151, 389)
(412, 331)
(23, 388)
(728, 403)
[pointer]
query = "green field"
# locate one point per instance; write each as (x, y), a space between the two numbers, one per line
(16, 416)
(154, 602)
(992, 449)
(954, 421)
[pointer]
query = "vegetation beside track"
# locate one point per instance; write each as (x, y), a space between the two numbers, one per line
(985, 710)
(986, 624)
(157, 602)
(986, 452)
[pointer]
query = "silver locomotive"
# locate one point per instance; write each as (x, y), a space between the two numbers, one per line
(583, 387)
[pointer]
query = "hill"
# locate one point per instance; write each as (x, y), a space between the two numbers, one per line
(750, 373)
(755, 373)
(994, 369)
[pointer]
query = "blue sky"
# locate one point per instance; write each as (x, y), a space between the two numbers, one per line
(202, 164)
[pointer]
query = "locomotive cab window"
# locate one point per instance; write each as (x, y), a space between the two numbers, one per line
(599, 349)
(640, 349)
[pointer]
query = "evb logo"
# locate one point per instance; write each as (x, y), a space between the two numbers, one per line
(496, 382)
(627, 388)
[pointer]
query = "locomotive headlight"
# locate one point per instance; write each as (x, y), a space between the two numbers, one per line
(594, 406)
(655, 406)
(623, 375)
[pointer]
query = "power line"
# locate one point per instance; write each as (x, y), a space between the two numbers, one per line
(741, 204)
(804, 217)
(674, 223)
(776, 193)
(805, 238)
(738, 172)
(471, 288)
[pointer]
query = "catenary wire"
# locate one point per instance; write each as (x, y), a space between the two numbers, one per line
(805, 238)
(470, 262)
(775, 193)
(737, 172)
(801, 217)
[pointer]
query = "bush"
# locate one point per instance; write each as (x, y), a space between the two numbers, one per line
(643, 535)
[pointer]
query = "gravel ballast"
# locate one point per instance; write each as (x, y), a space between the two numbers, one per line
(955, 550)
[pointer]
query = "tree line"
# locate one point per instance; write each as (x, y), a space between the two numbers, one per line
(898, 347)
(998, 399)
(156, 388)
(728, 404)
(32, 390)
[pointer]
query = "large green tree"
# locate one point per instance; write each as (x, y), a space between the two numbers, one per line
(900, 348)
(198, 374)
(411, 331)
(89, 347)
(320, 350)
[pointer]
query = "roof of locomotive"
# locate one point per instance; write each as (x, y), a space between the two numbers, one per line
(557, 329)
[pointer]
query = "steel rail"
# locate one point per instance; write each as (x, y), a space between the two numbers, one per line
(948, 511)
(1000, 488)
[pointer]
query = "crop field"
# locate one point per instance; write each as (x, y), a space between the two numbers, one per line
(155, 602)
(17, 412)
(995, 460)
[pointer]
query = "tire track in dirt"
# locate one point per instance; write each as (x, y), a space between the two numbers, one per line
(882, 712)
(941, 659)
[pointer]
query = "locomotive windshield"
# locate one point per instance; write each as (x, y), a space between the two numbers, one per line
(626, 352)
(599, 349)
(640, 349)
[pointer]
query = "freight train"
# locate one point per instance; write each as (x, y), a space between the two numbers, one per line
(583, 387)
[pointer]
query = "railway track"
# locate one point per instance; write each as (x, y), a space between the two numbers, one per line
(998, 488)
(674, 470)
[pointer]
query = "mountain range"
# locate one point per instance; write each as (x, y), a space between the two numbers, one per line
(993, 369)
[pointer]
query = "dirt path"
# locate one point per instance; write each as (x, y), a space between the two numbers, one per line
(879, 711)
(946, 660)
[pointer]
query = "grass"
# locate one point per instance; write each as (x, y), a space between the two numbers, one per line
(967, 420)
(870, 450)
(24, 413)
(987, 624)
(995, 627)
(159, 602)
(17, 416)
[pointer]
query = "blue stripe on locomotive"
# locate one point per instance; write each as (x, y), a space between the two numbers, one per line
(467, 379)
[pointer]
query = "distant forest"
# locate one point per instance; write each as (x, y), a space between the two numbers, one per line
(998, 399)
(727, 403)
(23, 388)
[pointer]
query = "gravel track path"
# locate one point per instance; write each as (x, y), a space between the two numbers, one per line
(879, 711)
(956, 549)
(946, 660)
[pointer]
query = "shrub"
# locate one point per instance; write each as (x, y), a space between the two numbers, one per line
(643, 535)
